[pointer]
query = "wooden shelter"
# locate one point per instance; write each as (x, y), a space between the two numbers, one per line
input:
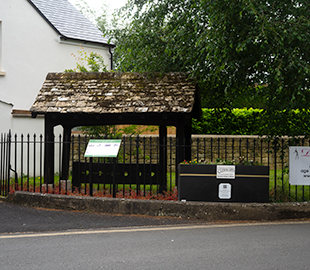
(109, 98)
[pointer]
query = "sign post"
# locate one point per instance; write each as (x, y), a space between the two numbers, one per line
(299, 165)
(103, 148)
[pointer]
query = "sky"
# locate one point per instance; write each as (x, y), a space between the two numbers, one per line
(97, 4)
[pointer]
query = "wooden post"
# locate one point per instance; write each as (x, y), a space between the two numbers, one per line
(188, 141)
(49, 151)
(66, 153)
(183, 142)
(163, 157)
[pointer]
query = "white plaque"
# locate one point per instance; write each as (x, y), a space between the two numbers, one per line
(299, 165)
(225, 171)
(224, 191)
(102, 148)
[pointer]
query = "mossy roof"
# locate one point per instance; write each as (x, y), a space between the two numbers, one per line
(111, 92)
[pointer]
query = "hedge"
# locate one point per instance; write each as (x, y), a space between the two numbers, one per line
(252, 122)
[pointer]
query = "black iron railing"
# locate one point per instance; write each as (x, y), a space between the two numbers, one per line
(137, 171)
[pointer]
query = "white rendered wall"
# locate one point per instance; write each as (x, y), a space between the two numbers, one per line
(30, 49)
(5, 116)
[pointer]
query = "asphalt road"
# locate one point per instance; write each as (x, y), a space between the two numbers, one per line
(16, 218)
(33, 239)
(231, 246)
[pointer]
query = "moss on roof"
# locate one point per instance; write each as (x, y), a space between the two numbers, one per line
(110, 92)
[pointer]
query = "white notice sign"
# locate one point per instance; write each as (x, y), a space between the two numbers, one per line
(102, 148)
(224, 191)
(225, 171)
(299, 166)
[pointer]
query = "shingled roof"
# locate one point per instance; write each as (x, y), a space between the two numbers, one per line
(68, 21)
(111, 92)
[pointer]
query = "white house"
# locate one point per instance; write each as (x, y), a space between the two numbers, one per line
(38, 37)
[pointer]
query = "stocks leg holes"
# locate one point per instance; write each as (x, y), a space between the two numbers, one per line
(102, 173)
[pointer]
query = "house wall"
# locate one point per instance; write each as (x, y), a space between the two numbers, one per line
(2, 73)
(5, 119)
(30, 49)
(21, 122)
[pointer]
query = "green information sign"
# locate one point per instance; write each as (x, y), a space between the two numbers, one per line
(103, 148)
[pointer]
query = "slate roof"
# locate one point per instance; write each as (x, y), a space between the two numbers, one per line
(110, 92)
(68, 21)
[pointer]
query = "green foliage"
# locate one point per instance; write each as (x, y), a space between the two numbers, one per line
(245, 51)
(101, 131)
(88, 62)
(252, 122)
(111, 131)
(98, 17)
(229, 122)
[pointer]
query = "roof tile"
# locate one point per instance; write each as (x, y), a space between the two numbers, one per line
(111, 92)
(68, 21)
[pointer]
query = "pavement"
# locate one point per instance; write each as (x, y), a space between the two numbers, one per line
(19, 219)
(204, 211)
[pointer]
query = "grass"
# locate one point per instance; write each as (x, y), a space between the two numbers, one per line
(281, 191)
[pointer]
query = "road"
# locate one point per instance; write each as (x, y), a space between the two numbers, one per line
(175, 244)
(15, 218)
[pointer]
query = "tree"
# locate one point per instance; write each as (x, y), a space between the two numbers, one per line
(104, 18)
(253, 48)
(92, 62)
(98, 17)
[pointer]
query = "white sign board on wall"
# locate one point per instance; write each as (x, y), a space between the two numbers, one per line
(102, 148)
(224, 191)
(225, 171)
(299, 165)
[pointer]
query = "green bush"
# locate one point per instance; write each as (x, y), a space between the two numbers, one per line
(252, 122)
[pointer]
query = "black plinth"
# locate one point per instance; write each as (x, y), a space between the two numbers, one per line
(199, 182)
